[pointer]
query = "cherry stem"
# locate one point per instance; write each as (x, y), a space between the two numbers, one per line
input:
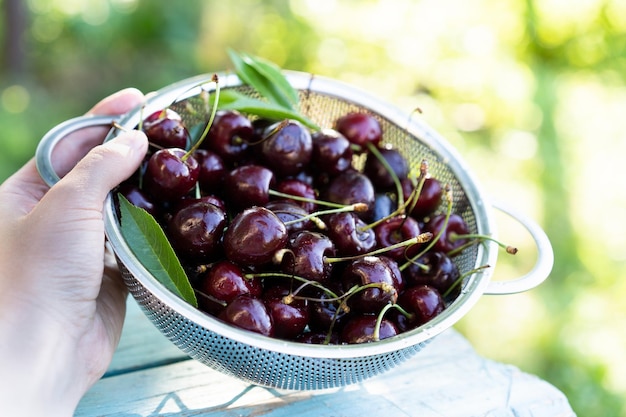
(358, 207)
(274, 130)
(421, 238)
(374, 150)
(305, 199)
(433, 241)
(196, 145)
(460, 279)
(453, 237)
(297, 278)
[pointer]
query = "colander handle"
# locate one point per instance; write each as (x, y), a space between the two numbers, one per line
(543, 266)
(43, 154)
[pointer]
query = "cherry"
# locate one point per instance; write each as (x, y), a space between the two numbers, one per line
(286, 149)
(377, 282)
(455, 226)
(332, 153)
(396, 273)
(365, 329)
(394, 230)
(305, 256)
(171, 174)
(196, 230)
(350, 237)
(224, 281)
(325, 312)
(435, 269)
(253, 236)
(378, 172)
(290, 213)
(138, 197)
(212, 199)
(423, 302)
(359, 128)
(249, 313)
(165, 129)
(290, 316)
(248, 185)
(299, 188)
(351, 187)
(229, 135)
(212, 170)
(429, 198)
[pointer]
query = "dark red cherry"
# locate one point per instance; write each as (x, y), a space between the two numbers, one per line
(359, 128)
(395, 230)
(350, 237)
(325, 312)
(248, 185)
(290, 315)
(435, 269)
(378, 173)
(299, 188)
(195, 231)
(361, 329)
(138, 197)
(351, 187)
(306, 256)
(212, 171)
(165, 129)
(332, 153)
(448, 241)
(396, 274)
(365, 272)
(229, 135)
(249, 313)
(429, 198)
(286, 149)
(253, 236)
(290, 213)
(170, 174)
(423, 302)
(225, 280)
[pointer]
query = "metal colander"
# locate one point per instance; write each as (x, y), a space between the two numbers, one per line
(290, 365)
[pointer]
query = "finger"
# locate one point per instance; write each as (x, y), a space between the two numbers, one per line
(102, 169)
(76, 145)
(21, 191)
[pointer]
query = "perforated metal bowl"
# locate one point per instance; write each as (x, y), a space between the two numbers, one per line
(290, 365)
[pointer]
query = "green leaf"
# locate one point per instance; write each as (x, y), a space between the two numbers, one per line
(265, 78)
(148, 242)
(232, 100)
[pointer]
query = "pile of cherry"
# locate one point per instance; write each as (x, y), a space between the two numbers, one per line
(282, 235)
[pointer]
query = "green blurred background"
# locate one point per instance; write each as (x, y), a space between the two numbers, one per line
(531, 92)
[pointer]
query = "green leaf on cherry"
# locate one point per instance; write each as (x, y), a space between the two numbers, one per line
(233, 100)
(148, 242)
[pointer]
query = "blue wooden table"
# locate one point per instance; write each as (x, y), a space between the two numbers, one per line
(151, 377)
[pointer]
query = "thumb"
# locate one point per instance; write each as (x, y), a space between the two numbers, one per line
(101, 170)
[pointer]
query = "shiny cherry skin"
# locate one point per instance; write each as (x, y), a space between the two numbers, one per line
(423, 302)
(165, 129)
(287, 149)
(137, 197)
(323, 312)
(351, 187)
(364, 271)
(347, 232)
(195, 231)
(429, 198)
(299, 188)
(229, 135)
(248, 185)
(253, 236)
(359, 128)
(170, 175)
(437, 270)
(332, 153)
(291, 213)
(306, 256)
(456, 226)
(394, 230)
(290, 316)
(249, 313)
(360, 329)
(378, 173)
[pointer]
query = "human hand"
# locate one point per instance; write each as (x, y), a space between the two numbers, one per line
(62, 300)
